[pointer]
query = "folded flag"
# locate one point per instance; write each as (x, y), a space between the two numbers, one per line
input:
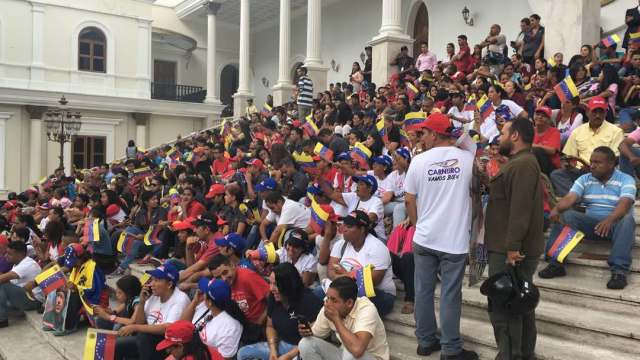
(265, 253)
(310, 127)
(91, 231)
(51, 279)
(414, 118)
(125, 243)
(611, 40)
(100, 345)
(305, 161)
(470, 105)
(484, 107)
(566, 89)
(142, 173)
(151, 236)
(320, 214)
(382, 131)
(412, 87)
(634, 37)
(564, 243)
(361, 154)
(323, 151)
(364, 280)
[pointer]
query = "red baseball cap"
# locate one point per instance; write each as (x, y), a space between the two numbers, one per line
(183, 225)
(437, 122)
(255, 162)
(597, 102)
(180, 332)
(545, 110)
(215, 189)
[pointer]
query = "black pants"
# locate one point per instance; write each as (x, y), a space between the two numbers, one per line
(140, 346)
(404, 269)
(544, 160)
(515, 334)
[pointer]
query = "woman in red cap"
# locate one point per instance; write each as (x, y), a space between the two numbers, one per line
(181, 344)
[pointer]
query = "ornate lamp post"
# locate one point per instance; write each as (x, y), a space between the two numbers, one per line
(62, 125)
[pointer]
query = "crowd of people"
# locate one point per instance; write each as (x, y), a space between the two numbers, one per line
(272, 232)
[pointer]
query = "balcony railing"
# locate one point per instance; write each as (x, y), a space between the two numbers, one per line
(176, 92)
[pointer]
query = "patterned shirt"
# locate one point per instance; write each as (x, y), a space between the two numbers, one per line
(602, 198)
(305, 91)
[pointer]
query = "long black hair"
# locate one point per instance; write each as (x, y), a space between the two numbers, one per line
(289, 282)
(196, 348)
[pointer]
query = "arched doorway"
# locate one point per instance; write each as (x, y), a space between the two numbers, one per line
(228, 84)
(420, 28)
(294, 74)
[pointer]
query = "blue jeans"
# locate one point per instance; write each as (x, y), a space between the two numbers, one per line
(397, 210)
(261, 350)
(451, 267)
(622, 236)
(625, 164)
(14, 296)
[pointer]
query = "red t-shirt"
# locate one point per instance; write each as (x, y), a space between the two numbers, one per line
(249, 291)
(208, 249)
(330, 174)
(465, 62)
(220, 167)
(550, 138)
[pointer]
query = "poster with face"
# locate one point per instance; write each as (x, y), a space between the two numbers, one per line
(55, 309)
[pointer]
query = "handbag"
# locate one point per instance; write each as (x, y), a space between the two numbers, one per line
(510, 292)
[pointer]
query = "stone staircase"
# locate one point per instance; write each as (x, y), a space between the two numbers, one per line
(578, 317)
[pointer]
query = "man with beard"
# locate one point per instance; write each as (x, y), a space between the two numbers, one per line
(514, 222)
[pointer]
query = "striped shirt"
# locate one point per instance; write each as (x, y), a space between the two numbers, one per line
(601, 199)
(305, 91)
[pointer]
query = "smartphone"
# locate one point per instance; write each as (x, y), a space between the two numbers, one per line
(302, 320)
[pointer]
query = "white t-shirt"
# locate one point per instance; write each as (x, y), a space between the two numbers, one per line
(27, 270)
(373, 205)
(170, 311)
(384, 185)
(305, 263)
(397, 184)
(488, 129)
(222, 332)
(464, 114)
(441, 180)
(373, 252)
(293, 213)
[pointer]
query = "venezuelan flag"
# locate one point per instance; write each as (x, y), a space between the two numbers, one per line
(364, 279)
(323, 151)
(611, 40)
(566, 89)
(485, 107)
(470, 105)
(310, 127)
(361, 154)
(51, 279)
(125, 243)
(99, 345)
(635, 37)
(564, 243)
(151, 236)
(144, 279)
(414, 118)
(382, 131)
(319, 217)
(552, 62)
(91, 231)
(305, 161)
(142, 173)
(412, 87)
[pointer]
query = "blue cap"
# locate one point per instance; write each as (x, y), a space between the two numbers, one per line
(233, 240)
(383, 160)
(404, 152)
(369, 180)
(217, 290)
(166, 271)
(343, 156)
(268, 184)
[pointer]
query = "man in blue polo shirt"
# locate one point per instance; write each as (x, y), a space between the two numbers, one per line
(609, 195)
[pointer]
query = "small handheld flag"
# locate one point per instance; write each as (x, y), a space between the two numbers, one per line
(319, 217)
(142, 173)
(470, 105)
(412, 87)
(552, 62)
(485, 107)
(634, 37)
(100, 345)
(125, 243)
(611, 40)
(566, 89)
(361, 154)
(144, 279)
(306, 162)
(382, 131)
(564, 243)
(364, 280)
(265, 252)
(51, 280)
(151, 236)
(323, 151)
(310, 127)
(91, 231)
(414, 118)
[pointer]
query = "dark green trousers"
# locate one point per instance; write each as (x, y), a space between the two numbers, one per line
(515, 334)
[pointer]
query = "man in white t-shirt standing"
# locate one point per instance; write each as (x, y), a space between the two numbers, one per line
(438, 200)
(12, 292)
(285, 213)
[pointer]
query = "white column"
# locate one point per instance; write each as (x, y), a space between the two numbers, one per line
(141, 136)
(283, 89)
(244, 76)
(37, 42)
(212, 12)
(143, 65)
(316, 71)
(35, 142)
(4, 117)
(391, 17)
(386, 45)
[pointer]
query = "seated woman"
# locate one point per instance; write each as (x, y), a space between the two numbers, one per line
(217, 318)
(128, 290)
(290, 303)
(163, 304)
(180, 343)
